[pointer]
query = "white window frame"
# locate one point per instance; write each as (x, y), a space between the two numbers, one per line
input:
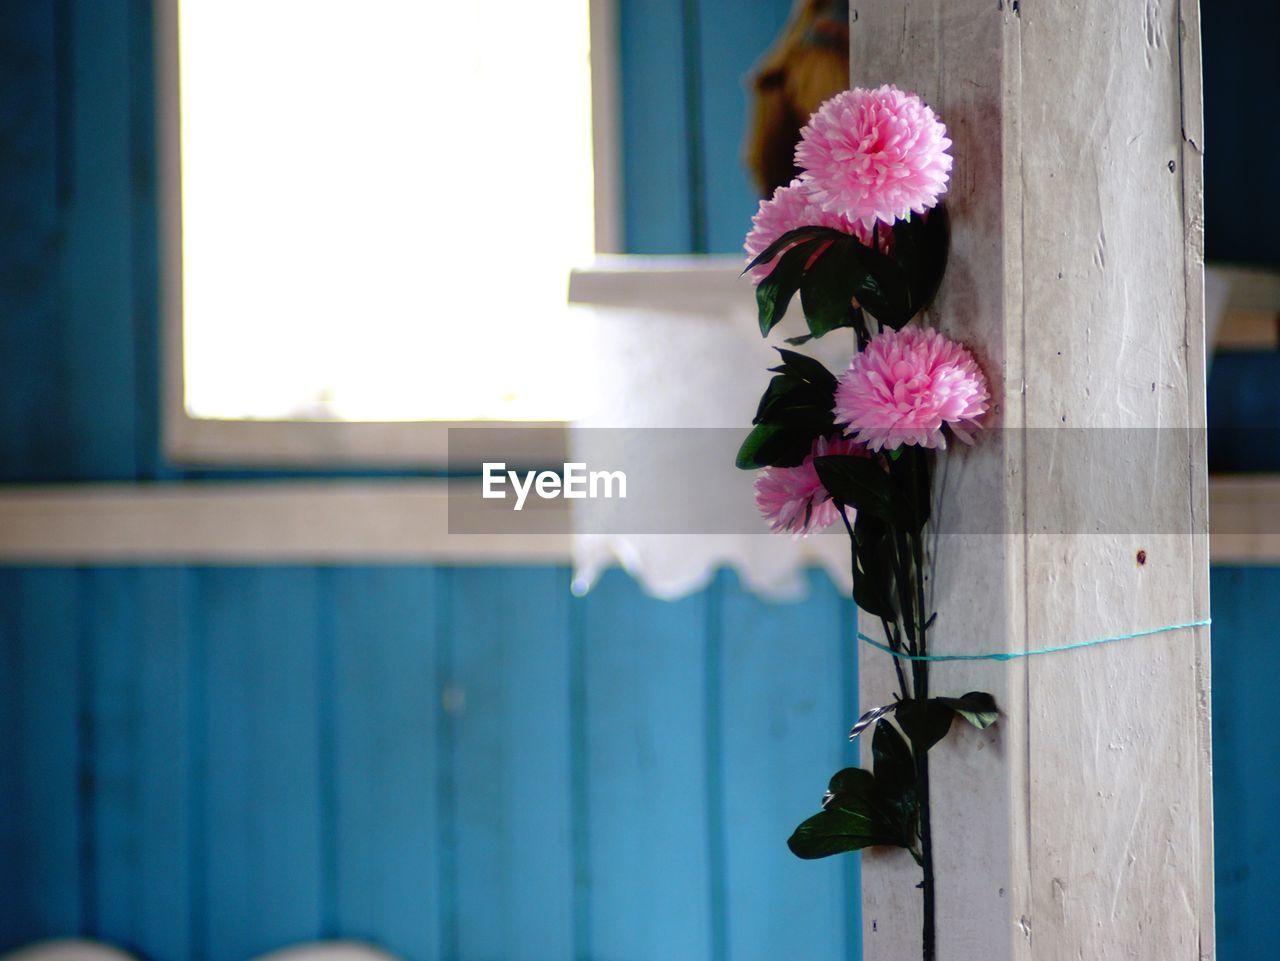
(197, 441)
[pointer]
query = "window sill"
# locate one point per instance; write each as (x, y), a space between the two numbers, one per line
(380, 522)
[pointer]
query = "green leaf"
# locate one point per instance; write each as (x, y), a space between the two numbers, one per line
(793, 237)
(795, 409)
(808, 369)
(847, 783)
(827, 289)
(976, 707)
(860, 483)
(774, 293)
(883, 287)
(773, 445)
(782, 394)
(912, 473)
(925, 723)
(894, 768)
(920, 246)
(893, 288)
(849, 826)
(869, 594)
(896, 800)
(856, 814)
(874, 582)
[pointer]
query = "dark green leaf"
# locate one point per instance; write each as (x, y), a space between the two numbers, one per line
(883, 288)
(925, 723)
(807, 368)
(861, 483)
(774, 293)
(874, 581)
(976, 707)
(773, 445)
(870, 595)
(912, 473)
(849, 782)
(920, 246)
(842, 828)
(827, 289)
(795, 410)
(856, 814)
(894, 768)
(793, 237)
(895, 801)
(784, 393)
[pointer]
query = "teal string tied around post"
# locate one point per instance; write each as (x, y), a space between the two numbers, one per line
(1013, 655)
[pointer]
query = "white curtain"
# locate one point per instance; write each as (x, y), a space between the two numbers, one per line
(679, 353)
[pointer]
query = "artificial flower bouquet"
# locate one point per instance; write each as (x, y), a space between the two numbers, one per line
(860, 235)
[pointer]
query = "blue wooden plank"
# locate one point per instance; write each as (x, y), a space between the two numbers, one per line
(14, 895)
(656, 189)
(261, 796)
(145, 249)
(44, 877)
(509, 695)
(108, 624)
(784, 727)
(1244, 410)
(99, 387)
(386, 701)
(852, 709)
(163, 607)
(30, 339)
(732, 37)
(1238, 44)
(1246, 789)
(139, 764)
(649, 890)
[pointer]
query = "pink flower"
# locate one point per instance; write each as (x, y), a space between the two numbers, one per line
(793, 499)
(905, 385)
(791, 207)
(874, 155)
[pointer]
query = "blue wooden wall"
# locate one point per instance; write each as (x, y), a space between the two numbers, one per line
(684, 110)
(210, 763)
(206, 763)
(1241, 72)
(1246, 752)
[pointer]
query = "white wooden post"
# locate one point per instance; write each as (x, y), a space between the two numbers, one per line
(1080, 826)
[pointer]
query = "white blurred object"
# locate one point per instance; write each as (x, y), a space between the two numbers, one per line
(678, 346)
(1217, 293)
(67, 949)
(329, 951)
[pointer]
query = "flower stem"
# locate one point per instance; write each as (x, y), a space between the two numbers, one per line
(891, 635)
(920, 678)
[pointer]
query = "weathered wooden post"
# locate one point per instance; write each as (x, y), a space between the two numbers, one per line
(1080, 826)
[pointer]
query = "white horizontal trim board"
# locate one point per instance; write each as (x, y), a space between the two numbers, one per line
(258, 523)
(332, 522)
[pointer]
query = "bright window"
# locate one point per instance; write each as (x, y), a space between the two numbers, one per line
(381, 203)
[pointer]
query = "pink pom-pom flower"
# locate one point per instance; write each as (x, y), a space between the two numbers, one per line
(790, 207)
(905, 385)
(873, 155)
(793, 499)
